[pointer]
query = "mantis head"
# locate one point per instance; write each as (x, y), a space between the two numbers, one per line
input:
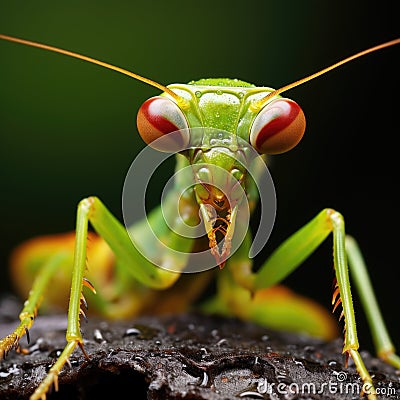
(221, 130)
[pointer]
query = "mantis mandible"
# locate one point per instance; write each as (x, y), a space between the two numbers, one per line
(219, 129)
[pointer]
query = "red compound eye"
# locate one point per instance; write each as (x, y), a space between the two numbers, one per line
(278, 127)
(157, 118)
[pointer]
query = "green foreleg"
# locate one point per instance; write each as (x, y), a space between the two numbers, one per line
(383, 344)
(293, 252)
(109, 228)
(31, 305)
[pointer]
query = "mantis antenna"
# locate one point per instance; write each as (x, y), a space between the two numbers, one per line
(257, 105)
(179, 99)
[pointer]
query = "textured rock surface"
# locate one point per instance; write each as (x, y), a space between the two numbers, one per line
(187, 357)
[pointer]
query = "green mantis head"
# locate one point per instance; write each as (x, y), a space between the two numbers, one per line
(218, 125)
(271, 127)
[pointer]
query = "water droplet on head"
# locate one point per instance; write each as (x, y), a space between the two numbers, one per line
(219, 92)
(198, 94)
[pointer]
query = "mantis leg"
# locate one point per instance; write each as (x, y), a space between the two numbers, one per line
(294, 251)
(383, 344)
(108, 227)
(31, 305)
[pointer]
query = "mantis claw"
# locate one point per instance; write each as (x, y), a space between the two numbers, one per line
(89, 285)
(41, 391)
(28, 338)
(83, 351)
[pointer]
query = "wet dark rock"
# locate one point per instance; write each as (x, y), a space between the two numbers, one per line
(187, 357)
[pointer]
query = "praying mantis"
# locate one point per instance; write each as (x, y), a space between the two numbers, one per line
(221, 131)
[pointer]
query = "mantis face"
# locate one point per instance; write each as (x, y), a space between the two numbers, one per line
(219, 126)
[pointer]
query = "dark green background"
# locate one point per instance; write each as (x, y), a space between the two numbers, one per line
(68, 127)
